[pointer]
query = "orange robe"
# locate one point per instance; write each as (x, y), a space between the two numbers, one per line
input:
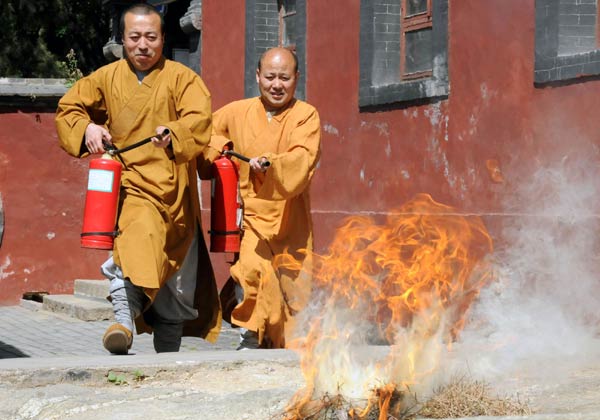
(276, 204)
(159, 208)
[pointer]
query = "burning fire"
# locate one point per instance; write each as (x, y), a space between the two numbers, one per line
(388, 299)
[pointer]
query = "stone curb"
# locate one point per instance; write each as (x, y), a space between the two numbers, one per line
(24, 365)
(36, 93)
(10, 86)
(48, 371)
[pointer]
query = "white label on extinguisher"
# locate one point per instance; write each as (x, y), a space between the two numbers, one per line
(100, 180)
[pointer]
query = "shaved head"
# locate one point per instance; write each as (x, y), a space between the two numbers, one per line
(141, 9)
(277, 76)
(283, 52)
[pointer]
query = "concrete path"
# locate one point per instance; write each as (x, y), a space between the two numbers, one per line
(54, 368)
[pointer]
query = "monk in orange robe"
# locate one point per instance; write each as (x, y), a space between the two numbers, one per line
(285, 131)
(160, 272)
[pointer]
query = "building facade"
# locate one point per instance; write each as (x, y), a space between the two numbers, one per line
(488, 106)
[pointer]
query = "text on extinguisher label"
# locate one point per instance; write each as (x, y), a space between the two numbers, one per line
(100, 180)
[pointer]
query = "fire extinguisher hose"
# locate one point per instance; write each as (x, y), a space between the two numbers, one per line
(264, 164)
(112, 150)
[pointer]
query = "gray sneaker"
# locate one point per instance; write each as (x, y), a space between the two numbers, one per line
(248, 340)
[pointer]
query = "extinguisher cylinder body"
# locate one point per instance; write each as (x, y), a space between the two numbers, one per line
(101, 204)
(225, 207)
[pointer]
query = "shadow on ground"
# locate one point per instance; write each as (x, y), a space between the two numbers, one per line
(9, 352)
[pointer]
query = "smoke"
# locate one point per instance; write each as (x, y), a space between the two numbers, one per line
(538, 313)
(543, 305)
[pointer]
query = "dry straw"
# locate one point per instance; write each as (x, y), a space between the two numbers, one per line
(466, 398)
(461, 397)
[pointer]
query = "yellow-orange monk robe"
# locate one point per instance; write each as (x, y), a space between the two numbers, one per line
(159, 207)
(277, 215)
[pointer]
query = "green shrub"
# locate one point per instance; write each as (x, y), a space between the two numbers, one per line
(39, 35)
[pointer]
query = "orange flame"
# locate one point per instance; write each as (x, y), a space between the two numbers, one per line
(407, 284)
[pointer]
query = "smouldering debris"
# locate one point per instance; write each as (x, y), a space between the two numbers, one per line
(463, 397)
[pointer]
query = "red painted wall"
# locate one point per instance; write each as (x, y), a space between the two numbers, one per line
(223, 27)
(474, 150)
(223, 49)
(43, 192)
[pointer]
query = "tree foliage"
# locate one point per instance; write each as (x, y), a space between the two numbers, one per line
(37, 36)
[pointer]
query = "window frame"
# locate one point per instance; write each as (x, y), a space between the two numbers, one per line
(598, 25)
(375, 91)
(283, 14)
(413, 23)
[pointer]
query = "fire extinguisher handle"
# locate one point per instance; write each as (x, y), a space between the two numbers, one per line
(112, 150)
(264, 164)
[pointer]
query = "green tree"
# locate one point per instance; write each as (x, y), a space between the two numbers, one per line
(37, 36)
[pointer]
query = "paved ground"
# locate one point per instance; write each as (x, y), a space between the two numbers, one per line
(54, 368)
(28, 333)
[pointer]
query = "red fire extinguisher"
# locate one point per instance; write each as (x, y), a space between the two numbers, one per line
(102, 197)
(101, 202)
(226, 207)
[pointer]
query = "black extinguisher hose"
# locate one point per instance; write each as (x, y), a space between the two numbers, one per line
(112, 150)
(264, 164)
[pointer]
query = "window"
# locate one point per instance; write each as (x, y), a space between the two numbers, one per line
(287, 24)
(272, 23)
(566, 40)
(403, 51)
(416, 44)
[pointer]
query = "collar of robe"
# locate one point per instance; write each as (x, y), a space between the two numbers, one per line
(278, 114)
(149, 75)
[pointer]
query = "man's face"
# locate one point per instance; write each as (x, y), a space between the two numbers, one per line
(143, 40)
(277, 80)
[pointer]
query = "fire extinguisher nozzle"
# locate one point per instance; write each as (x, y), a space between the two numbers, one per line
(165, 132)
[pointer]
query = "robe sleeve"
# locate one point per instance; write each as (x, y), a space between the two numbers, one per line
(290, 172)
(190, 133)
(218, 139)
(81, 105)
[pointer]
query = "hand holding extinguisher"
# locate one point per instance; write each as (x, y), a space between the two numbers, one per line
(99, 140)
(96, 138)
(161, 140)
(257, 164)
